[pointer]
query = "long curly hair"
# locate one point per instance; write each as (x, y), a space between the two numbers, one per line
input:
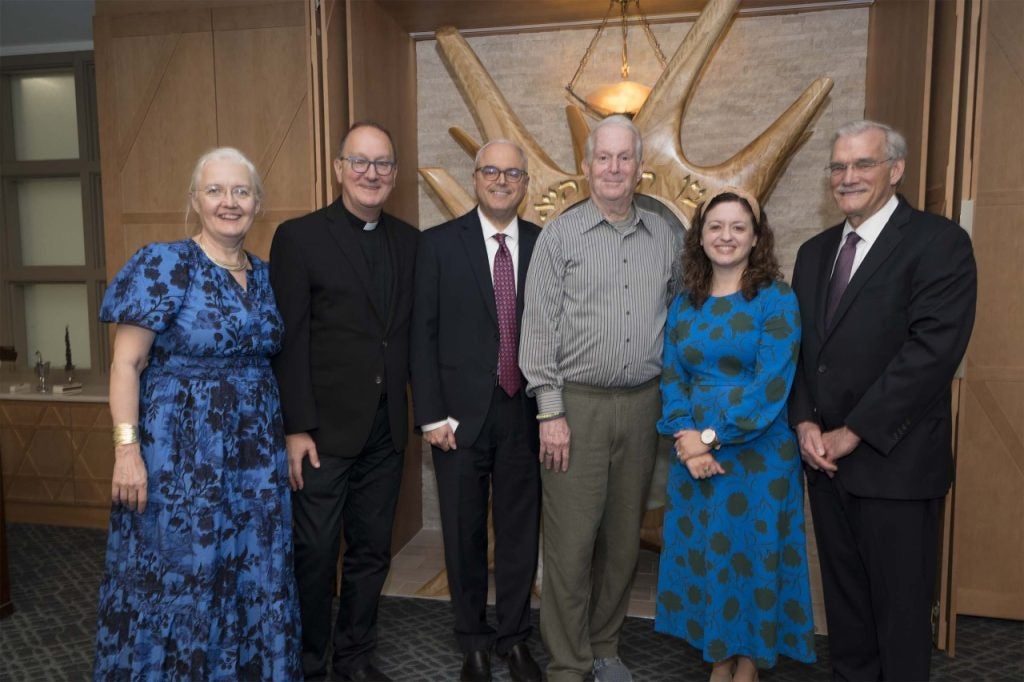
(762, 268)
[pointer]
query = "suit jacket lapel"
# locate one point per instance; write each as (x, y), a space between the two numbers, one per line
(343, 234)
(476, 255)
(890, 236)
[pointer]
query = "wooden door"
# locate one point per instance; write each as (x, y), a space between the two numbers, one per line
(988, 534)
(173, 84)
(382, 88)
(334, 86)
(898, 83)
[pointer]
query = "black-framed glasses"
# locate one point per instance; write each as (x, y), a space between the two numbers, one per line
(513, 176)
(860, 165)
(361, 165)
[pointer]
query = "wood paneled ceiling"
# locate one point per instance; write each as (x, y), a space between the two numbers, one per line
(422, 17)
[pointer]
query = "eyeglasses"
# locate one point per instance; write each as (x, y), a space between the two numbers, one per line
(860, 165)
(216, 192)
(361, 165)
(513, 176)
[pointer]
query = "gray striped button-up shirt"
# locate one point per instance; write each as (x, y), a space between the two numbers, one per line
(596, 302)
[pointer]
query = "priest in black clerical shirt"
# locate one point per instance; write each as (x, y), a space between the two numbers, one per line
(342, 277)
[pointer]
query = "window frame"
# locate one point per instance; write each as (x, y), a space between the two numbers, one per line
(14, 275)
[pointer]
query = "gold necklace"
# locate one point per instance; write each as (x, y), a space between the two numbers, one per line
(230, 267)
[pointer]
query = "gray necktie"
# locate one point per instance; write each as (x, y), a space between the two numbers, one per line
(841, 276)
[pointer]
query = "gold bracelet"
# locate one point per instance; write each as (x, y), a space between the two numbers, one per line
(548, 416)
(125, 434)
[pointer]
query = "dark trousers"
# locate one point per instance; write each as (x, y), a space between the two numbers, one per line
(503, 460)
(878, 567)
(359, 494)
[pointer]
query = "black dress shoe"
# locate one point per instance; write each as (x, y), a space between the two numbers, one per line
(521, 666)
(476, 667)
(367, 674)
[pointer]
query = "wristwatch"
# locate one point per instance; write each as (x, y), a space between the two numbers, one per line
(710, 438)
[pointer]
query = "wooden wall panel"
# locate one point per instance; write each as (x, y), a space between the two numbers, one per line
(160, 143)
(262, 107)
(944, 107)
(898, 84)
(382, 88)
(988, 574)
(172, 85)
(334, 71)
(988, 578)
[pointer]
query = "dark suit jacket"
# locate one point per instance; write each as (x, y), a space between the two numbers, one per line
(339, 343)
(455, 324)
(885, 366)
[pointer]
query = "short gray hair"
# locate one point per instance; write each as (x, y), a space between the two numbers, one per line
(228, 154)
(895, 143)
(622, 122)
(489, 143)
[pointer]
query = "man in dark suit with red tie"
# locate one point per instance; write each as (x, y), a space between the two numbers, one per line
(470, 402)
(343, 281)
(887, 302)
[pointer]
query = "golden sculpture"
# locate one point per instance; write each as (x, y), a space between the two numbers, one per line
(670, 177)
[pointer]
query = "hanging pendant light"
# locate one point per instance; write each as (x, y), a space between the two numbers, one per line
(624, 96)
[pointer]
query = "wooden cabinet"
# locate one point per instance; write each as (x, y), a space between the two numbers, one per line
(57, 461)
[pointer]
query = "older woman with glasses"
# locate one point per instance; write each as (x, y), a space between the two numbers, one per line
(199, 580)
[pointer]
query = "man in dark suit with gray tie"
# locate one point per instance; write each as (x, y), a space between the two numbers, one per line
(887, 302)
(470, 402)
(342, 277)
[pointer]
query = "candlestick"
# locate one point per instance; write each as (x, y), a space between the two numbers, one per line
(68, 365)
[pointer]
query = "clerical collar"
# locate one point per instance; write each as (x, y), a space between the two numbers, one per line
(358, 223)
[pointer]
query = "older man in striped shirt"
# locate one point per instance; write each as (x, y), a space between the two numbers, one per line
(596, 300)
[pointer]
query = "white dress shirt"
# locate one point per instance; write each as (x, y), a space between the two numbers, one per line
(868, 233)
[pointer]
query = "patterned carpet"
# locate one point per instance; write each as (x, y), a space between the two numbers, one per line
(55, 573)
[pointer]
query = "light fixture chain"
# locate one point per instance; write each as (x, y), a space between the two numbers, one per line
(650, 35)
(624, 6)
(590, 49)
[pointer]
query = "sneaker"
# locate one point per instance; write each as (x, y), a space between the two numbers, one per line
(611, 670)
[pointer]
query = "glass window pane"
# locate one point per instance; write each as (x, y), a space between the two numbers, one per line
(50, 218)
(48, 308)
(45, 116)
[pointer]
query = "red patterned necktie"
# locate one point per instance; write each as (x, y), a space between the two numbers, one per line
(505, 298)
(841, 276)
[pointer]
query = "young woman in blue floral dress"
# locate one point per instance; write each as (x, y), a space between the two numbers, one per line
(733, 577)
(199, 581)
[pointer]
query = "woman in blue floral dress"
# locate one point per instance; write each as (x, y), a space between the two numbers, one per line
(733, 578)
(199, 580)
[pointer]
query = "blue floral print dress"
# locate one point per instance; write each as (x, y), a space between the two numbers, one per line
(201, 585)
(733, 577)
